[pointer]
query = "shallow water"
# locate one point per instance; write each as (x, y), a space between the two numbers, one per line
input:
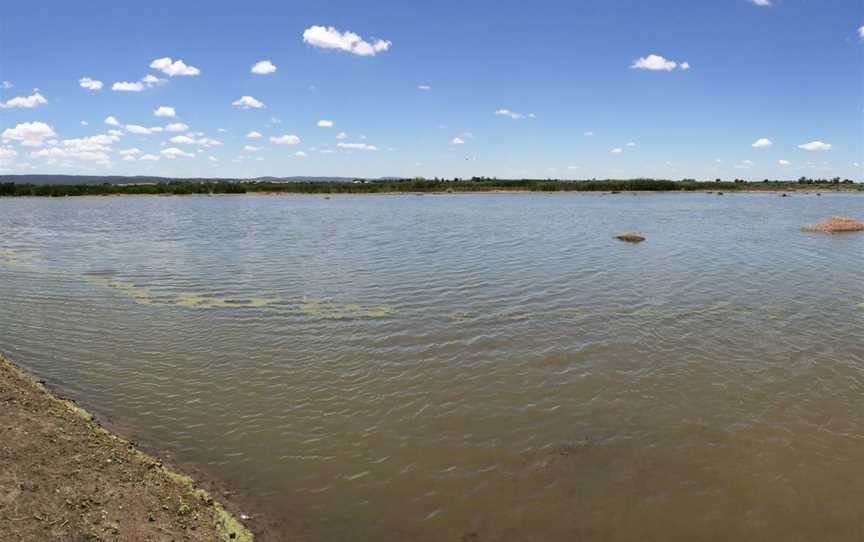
(449, 368)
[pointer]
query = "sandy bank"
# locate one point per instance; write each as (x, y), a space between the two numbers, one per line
(64, 477)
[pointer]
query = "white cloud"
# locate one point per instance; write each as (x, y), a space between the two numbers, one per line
(90, 84)
(171, 69)
(31, 134)
(263, 67)
(860, 33)
(657, 63)
(252, 148)
(744, 164)
(588, 134)
(247, 102)
(165, 111)
(358, 146)
(631, 144)
(84, 123)
(212, 158)
(815, 146)
(151, 80)
(287, 139)
(187, 140)
(254, 135)
(763, 3)
(130, 152)
(512, 114)
(299, 153)
(424, 87)
(92, 149)
(325, 124)
(176, 127)
(126, 86)
(330, 38)
(617, 151)
(150, 157)
(136, 129)
(27, 102)
(783, 162)
(111, 121)
(762, 143)
(174, 152)
(341, 135)
(457, 141)
(7, 85)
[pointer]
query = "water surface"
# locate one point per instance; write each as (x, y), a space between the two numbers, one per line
(447, 368)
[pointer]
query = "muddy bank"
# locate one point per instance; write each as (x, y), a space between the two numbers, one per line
(64, 477)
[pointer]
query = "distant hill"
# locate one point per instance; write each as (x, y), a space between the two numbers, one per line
(121, 179)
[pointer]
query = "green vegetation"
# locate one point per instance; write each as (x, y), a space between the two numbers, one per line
(418, 185)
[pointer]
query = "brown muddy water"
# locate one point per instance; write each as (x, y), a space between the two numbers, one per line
(449, 368)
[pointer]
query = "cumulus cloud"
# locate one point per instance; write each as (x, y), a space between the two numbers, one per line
(27, 102)
(136, 129)
(254, 135)
(7, 85)
(129, 152)
(165, 111)
(173, 68)
(127, 86)
(247, 102)
(763, 3)
(90, 84)
(424, 87)
(325, 124)
(783, 162)
(252, 148)
(287, 139)
(31, 134)
(762, 143)
(330, 38)
(588, 134)
(111, 121)
(300, 153)
(263, 67)
(617, 151)
(150, 157)
(512, 114)
(357, 146)
(457, 141)
(187, 140)
(148, 81)
(658, 63)
(815, 146)
(860, 33)
(173, 152)
(631, 144)
(176, 127)
(92, 149)
(341, 135)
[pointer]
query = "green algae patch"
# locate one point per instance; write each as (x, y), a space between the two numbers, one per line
(330, 310)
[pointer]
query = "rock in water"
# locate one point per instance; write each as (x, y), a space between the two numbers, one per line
(837, 224)
(631, 237)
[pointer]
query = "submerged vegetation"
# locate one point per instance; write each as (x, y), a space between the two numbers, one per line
(417, 185)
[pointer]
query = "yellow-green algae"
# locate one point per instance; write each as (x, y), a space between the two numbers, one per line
(229, 528)
(330, 310)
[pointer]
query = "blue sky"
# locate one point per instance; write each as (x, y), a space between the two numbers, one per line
(565, 89)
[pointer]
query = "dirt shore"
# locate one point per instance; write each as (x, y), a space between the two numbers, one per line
(64, 477)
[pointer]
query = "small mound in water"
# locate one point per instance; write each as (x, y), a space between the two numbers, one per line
(631, 237)
(837, 224)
